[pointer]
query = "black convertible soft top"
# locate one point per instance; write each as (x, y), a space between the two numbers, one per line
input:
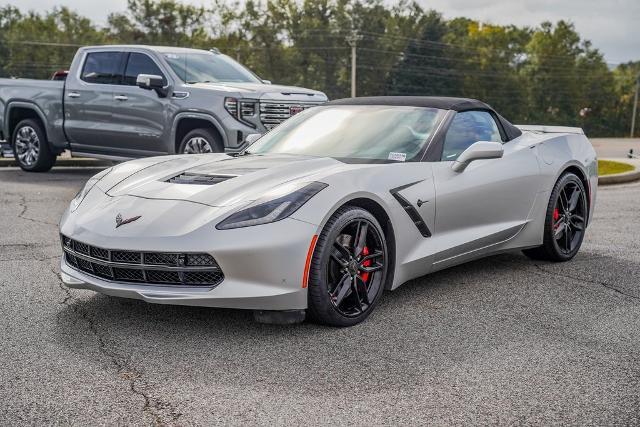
(440, 102)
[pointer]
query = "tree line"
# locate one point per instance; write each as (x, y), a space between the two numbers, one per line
(544, 75)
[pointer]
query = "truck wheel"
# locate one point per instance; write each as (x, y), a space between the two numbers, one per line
(201, 140)
(30, 147)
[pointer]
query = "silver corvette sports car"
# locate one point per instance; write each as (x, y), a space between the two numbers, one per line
(339, 203)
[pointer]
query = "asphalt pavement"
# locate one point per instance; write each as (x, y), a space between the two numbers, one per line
(503, 340)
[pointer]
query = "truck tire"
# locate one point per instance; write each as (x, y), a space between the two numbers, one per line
(201, 140)
(31, 148)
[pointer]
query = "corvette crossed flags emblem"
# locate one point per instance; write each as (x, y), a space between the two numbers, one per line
(120, 221)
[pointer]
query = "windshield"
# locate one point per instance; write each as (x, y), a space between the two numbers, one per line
(373, 132)
(208, 67)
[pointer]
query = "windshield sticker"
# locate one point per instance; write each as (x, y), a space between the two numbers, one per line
(400, 157)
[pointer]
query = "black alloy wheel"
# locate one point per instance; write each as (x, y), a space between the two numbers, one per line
(566, 221)
(349, 268)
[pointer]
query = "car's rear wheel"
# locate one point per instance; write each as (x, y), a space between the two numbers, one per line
(30, 147)
(565, 222)
(199, 141)
(349, 268)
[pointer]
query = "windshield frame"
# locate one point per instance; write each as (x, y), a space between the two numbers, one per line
(441, 118)
(226, 58)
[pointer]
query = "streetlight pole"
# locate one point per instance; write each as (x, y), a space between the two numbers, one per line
(635, 106)
(352, 39)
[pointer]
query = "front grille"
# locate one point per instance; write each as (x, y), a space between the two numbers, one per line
(163, 268)
(274, 113)
(126, 257)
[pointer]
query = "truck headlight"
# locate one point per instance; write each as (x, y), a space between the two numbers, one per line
(88, 186)
(241, 109)
(264, 212)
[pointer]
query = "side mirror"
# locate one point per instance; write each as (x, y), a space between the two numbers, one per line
(267, 82)
(251, 138)
(149, 81)
(152, 82)
(477, 151)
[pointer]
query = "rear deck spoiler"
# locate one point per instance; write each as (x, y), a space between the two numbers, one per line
(550, 129)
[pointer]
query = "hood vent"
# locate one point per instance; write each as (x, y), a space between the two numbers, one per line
(199, 179)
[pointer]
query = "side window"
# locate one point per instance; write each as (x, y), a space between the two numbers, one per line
(139, 63)
(103, 68)
(467, 128)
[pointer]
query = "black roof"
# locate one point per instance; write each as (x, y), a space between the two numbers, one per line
(440, 102)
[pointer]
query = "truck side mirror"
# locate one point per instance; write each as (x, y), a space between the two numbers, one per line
(149, 81)
(477, 151)
(152, 82)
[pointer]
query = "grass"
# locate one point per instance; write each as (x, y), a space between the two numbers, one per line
(608, 167)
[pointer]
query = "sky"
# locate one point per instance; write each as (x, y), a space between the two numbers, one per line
(613, 26)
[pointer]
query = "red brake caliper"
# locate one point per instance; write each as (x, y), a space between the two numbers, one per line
(367, 263)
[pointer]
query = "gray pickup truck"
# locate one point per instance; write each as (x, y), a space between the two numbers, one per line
(124, 102)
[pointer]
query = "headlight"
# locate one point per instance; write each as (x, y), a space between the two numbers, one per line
(241, 109)
(87, 188)
(264, 212)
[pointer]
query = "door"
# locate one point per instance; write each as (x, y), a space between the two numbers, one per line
(142, 116)
(88, 103)
(487, 203)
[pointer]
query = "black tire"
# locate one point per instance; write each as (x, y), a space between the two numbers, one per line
(188, 144)
(31, 148)
(564, 227)
(328, 267)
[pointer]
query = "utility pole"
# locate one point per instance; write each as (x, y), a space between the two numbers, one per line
(352, 39)
(635, 106)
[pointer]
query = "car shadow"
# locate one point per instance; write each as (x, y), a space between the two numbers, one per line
(122, 319)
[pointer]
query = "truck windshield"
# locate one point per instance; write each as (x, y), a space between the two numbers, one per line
(366, 132)
(208, 67)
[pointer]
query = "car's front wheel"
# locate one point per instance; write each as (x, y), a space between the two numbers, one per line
(565, 221)
(349, 268)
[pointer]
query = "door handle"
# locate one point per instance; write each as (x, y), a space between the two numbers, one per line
(73, 95)
(421, 202)
(120, 97)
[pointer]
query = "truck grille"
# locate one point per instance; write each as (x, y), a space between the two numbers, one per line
(156, 268)
(273, 113)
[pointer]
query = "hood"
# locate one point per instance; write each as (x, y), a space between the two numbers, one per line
(211, 179)
(267, 91)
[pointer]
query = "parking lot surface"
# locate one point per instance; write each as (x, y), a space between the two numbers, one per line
(501, 340)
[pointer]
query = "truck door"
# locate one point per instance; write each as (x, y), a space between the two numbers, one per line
(88, 103)
(142, 116)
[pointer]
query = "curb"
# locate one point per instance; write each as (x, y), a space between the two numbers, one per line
(620, 178)
(71, 161)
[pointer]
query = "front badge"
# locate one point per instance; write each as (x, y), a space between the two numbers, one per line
(120, 221)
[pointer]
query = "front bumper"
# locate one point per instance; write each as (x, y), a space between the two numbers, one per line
(263, 265)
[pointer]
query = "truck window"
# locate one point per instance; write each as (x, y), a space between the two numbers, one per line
(208, 67)
(139, 63)
(103, 68)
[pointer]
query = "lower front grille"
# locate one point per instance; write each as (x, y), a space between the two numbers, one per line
(180, 269)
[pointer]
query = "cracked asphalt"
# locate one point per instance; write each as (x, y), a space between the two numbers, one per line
(503, 340)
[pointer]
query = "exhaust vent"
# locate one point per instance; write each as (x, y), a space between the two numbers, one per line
(199, 179)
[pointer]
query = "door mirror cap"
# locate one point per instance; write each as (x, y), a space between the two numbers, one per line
(149, 81)
(478, 151)
(251, 138)
(267, 82)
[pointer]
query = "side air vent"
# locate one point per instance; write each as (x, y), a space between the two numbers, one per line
(410, 210)
(199, 179)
